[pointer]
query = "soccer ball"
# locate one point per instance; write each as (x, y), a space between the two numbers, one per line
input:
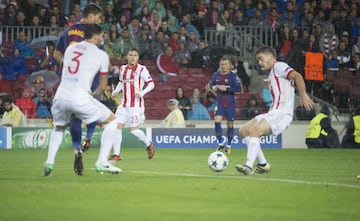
(218, 161)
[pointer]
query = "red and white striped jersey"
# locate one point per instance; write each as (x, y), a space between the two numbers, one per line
(282, 89)
(133, 81)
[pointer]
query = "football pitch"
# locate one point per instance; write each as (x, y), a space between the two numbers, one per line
(304, 185)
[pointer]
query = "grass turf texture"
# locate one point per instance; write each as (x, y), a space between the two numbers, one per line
(178, 185)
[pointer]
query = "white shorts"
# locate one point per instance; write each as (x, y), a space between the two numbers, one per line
(277, 120)
(130, 116)
(89, 110)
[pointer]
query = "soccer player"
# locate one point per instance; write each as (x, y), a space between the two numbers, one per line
(82, 61)
(224, 83)
(282, 79)
(135, 81)
(91, 15)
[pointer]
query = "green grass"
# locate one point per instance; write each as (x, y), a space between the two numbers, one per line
(177, 185)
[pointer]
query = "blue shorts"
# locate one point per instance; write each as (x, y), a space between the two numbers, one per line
(227, 112)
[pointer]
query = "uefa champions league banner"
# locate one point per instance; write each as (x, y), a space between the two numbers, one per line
(28, 137)
(203, 138)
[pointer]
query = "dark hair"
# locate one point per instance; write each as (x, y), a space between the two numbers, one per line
(50, 43)
(357, 110)
(6, 100)
(325, 110)
(91, 30)
(176, 92)
(91, 9)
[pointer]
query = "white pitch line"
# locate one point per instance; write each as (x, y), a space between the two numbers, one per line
(256, 177)
(314, 183)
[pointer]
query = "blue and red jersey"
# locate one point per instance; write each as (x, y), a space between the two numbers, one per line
(226, 98)
(73, 34)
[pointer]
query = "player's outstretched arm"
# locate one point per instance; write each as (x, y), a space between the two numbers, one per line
(305, 100)
(117, 89)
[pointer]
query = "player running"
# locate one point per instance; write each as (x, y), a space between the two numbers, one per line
(282, 79)
(224, 83)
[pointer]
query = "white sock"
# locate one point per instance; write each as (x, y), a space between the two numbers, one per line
(261, 157)
(54, 145)
(107, 138)
(117, 142)
(141, 136)
(246, 140)
(253, 148)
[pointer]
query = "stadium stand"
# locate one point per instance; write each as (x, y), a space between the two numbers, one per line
(7, 47)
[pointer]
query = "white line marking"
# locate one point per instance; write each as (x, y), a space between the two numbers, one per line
(314, 183)
(240, 176)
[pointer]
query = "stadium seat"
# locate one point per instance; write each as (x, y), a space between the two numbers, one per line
(342, 84)
(195, 72)
(165, 88)
(241, 99)
(330, 76)
(183, 71)
(341, 89)
(344, 73)
(6, 87)
(176, 78)
(357, 74)
(22, 77)
(39, 52)
(156, 113)
(152, 70)
(18, 88)
(354, 96)
(356, 83)
(148, 63)
(117, 62)
(354, 93)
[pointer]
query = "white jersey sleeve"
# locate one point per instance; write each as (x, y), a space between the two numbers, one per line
(145, 75)
(282, 70)
(281, 88)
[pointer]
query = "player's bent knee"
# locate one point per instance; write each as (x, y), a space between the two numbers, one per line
(243, 132)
